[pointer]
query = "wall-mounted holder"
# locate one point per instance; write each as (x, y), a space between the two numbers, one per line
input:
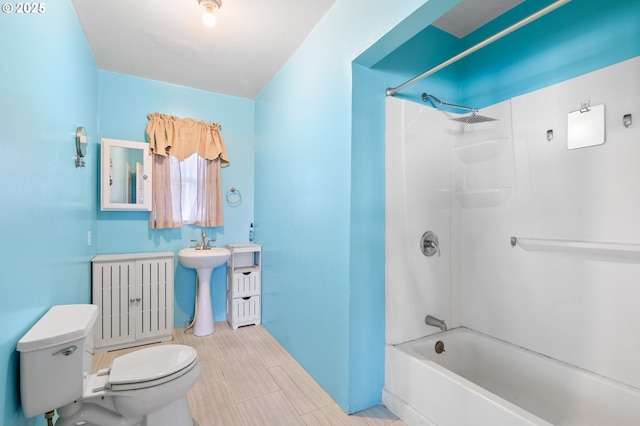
(626, 120)
(234, 197)
(585, 127)
(549, 134)
(81, 146)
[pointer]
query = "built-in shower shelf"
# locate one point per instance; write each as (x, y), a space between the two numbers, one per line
(483, 198)
(593, 248)
(481, 151)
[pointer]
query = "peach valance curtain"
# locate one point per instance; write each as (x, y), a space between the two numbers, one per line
(172, 140)
(183, 137)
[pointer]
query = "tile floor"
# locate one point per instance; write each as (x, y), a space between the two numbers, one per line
(248, 379)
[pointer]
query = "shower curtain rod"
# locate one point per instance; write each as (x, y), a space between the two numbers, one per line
(392, 91)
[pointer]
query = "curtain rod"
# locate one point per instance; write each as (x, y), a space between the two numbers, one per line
(392, 91)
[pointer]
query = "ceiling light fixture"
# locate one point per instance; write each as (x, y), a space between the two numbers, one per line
(210, 6)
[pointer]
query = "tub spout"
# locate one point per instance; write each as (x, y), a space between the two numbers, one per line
(435, 322)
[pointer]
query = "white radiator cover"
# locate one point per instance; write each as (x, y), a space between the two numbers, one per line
(134, 295)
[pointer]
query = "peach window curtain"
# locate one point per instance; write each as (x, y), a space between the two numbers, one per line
(173, 140)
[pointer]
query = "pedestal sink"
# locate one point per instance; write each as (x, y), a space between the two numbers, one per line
(203, 261)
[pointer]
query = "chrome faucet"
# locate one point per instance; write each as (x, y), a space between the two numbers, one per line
(435, 322)
(204, 244)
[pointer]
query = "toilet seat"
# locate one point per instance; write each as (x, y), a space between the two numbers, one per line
(151, 367)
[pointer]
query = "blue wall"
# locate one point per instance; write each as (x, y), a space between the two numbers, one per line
(318, 215)
(125, 102)
(367, 241)
(579, 37)
(49, 87)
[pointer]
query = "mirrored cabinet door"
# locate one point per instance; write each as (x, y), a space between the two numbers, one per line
(126, 175)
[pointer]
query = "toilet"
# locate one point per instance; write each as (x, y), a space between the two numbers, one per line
(147, 387)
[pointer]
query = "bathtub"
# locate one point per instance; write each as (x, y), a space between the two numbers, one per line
(480, 380)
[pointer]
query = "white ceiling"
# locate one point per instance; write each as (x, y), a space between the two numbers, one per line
(470, 15)
(166, 40)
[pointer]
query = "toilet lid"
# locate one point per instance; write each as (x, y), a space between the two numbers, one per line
(151, 363)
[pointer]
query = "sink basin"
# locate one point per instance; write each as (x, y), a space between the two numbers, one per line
(203, 261)
(196, 259)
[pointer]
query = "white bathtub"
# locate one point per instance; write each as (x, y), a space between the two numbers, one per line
(479, 380)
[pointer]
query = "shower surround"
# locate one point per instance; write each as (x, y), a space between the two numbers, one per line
(478, 185)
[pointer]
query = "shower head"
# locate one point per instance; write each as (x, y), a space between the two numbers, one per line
(473, 118)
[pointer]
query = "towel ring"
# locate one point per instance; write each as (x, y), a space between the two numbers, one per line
(234, 197)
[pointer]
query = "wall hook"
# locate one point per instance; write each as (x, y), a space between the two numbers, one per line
(585, 106)
(81, 146)
(626, 120)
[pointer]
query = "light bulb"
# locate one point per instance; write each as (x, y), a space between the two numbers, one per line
(209, 18)
(210, 6)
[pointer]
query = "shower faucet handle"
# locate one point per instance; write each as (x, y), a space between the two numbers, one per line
(429, 244)
(433, 245)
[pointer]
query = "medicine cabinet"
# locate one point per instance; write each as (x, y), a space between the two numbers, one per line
(125, 175)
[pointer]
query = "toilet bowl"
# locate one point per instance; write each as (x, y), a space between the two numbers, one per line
(145, 387)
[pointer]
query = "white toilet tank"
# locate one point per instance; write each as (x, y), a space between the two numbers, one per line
(55, 357)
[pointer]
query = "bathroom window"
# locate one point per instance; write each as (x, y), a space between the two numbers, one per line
(189, 188)
(188, 156)
(192, 181)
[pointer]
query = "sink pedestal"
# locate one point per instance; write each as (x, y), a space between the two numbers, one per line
(204, 261)
(203, 324)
